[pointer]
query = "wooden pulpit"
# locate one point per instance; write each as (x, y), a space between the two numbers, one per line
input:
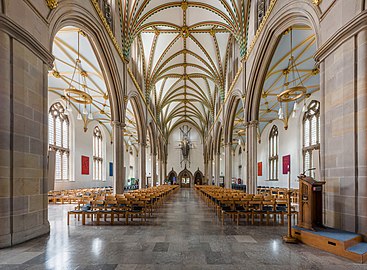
(310, 202)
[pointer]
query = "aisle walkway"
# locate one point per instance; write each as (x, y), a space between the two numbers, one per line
(185, 235)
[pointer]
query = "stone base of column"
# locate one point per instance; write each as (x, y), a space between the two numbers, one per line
(23, 236)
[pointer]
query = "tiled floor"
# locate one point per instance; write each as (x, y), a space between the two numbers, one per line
(184, 235)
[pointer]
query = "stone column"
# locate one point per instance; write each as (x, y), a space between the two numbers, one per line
(210, 171)
(164, 169)
(251, 151)
(343, 81)
(154, 170)
(205, 178)
(216, 168)
(23, 135)
(235, 162)
(160, 172)
(228, 165)
(142, 165)
(136, 165)
(244, 163)
(118, 157)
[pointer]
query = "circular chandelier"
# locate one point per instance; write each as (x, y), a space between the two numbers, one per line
(79, 95)
(293, 84)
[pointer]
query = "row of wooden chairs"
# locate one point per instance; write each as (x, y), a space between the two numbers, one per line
(74, 195)
(135, 204)
(237, 204)
(279, 192)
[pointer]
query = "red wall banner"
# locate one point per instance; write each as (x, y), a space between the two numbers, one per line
(286, 164)
(259, 169)
(85, 165)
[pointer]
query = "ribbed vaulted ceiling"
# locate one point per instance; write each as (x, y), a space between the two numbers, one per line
(185, 48)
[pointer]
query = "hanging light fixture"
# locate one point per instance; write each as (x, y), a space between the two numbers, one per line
(293, 84)
(79, 95)
(85, 112)
(79, 117)
(294, 111)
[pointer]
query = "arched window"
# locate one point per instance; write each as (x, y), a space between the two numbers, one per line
(273, 154)
(58, 140)
(311, 135)
(97, 154)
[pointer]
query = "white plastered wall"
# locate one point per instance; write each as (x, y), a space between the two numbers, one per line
(81, 144)
(290, 143)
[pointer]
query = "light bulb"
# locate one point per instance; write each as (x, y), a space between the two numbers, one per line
(90, 116)
(280, 112)
(66, 112)
(293, 114)
(85, 112)
(281, 115)
(79, 117)
(295, 106)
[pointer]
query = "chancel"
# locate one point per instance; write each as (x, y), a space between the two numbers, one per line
(161, 134)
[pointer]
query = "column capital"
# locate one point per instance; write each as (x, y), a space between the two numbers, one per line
(118, 124)
(252, 123)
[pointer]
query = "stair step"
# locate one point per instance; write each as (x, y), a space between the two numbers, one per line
(360, 248)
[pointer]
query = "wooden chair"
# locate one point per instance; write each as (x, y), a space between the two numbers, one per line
(228, 208)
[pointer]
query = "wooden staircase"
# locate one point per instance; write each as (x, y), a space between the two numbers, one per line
(341, 243)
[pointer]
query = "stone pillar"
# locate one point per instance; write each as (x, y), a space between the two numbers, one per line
(154, 170)
(118, 157)
(23, 135)
(235, 162)
(160, 172)
(343, 85)
(216, 168)
(244, 163)
(205, 178)
(210, 171)
(164, 169)
(228, 165)
(251, 151)
(142, 165)
(136, 165)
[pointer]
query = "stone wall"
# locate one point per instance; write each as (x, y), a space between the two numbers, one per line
(23, 136)
(344, 140)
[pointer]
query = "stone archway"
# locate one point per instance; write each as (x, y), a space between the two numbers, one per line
(185, 178)
(198, 177)
(172, 177)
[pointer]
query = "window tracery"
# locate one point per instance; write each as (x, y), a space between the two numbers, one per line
(58, 140)
(273, 153)
(97, 154)
(311, 135)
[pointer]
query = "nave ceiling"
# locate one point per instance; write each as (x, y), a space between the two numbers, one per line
(185, 47)
(184, 53)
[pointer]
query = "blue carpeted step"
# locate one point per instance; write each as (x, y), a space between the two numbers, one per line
(332, 233)
(360, 248)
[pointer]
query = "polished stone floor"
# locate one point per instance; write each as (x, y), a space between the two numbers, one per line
(184, 235)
